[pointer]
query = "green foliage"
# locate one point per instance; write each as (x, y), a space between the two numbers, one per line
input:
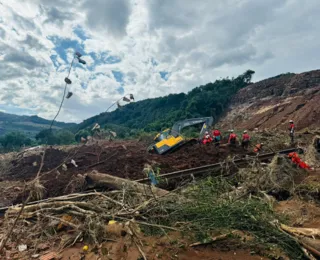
(205, 211)
(46, 137)
(13, 141)
(65, 137)
(50, 137)
(159, 113)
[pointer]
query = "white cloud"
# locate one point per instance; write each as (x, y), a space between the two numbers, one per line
(191, 42)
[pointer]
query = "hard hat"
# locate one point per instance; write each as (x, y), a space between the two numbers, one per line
(206, 132)
(231, 131)
(291, 121)
(262, 143)
(245, 131)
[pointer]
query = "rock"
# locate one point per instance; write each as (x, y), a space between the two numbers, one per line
(22, 247)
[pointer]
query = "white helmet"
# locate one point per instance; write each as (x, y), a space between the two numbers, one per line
(206, 132)
(291, 121)
(231, 131)
(245, 131)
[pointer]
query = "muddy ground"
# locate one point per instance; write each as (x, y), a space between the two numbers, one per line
(124, 159)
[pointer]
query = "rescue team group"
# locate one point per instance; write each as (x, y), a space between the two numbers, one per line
(245, 140)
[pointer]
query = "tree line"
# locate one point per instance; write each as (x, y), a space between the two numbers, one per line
(156, 114)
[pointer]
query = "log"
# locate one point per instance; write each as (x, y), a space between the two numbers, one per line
(308, 232)
(96, 179)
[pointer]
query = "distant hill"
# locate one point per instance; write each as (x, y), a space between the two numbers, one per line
(30, 125)
(155, 114)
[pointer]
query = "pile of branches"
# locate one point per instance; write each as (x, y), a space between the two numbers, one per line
(84, 216)
(199, 208)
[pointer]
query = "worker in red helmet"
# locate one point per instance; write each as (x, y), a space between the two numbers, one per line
(216, 137)
(232, 138)
(245, 140)
(206, 138)
(291, 130)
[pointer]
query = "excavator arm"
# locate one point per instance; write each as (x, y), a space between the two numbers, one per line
(178, 126)
(170, 139)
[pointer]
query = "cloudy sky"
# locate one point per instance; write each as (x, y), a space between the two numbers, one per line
(146, 47)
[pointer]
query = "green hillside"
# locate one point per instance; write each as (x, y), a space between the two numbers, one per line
(29, 125)
(155, 114)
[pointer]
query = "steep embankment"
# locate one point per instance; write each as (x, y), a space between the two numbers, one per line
(271, 103)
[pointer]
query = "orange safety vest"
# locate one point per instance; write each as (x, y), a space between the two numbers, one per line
(257, 148)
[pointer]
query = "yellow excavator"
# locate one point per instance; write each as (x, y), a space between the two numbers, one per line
(171, 139)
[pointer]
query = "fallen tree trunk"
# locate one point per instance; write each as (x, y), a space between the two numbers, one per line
(309, 232)
(96, 179)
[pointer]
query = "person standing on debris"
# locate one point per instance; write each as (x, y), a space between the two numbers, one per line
(258, 148)
(216, 137)
(207, 138)
(232, 138)
(291, 129)
(245, 140)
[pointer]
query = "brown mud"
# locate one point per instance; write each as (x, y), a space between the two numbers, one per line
(124, 159)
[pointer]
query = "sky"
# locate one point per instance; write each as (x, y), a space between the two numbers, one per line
(148, 48)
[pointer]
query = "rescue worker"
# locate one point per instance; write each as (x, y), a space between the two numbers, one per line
(232, 138)
(245, 140)
(258, 148)
(291, 129)
(294, 157)
(206, 138)
(216, 137)
(296, 160)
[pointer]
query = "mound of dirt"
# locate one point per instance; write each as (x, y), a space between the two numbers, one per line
(271, 103)
(125, 159)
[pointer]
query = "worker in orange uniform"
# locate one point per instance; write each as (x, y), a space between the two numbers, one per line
(291, 130)
(296, 160)
(207, 138)
(258, 148)
(245, 140)
(216, 137)
(232, 138)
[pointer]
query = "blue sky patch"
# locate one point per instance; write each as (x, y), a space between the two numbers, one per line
(118, 75)
(83, 85)
(164, 75)
(62, 44)
(55, 61)
(80, 33)
(120, 90)
(154, 62)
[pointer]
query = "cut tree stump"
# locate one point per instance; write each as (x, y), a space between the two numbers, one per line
(96, 179)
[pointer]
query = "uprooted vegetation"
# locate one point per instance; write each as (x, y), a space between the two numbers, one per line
(231, 210)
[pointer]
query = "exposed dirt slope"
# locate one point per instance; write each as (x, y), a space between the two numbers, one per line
(271, 103)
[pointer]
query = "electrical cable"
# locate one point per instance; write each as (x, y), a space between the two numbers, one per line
(64, 94)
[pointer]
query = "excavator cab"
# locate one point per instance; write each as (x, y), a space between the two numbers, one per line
(170, 139)
(162, 135)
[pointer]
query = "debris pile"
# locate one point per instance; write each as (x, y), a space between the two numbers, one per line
(63, 171)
